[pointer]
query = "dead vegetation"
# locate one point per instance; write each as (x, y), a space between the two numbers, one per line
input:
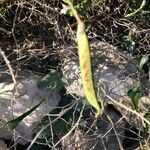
(34, 33)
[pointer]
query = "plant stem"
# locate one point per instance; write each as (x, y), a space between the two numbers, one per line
(136, 11)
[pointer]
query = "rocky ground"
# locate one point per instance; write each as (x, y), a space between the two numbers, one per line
(37, 37)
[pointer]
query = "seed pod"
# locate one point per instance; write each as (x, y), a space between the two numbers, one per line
(85, 66)
(85, 63)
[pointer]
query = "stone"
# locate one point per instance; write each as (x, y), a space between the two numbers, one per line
(104, 136)
(13, 104)
(113, 74)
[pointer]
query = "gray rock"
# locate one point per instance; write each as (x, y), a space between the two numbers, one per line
(109, 70)
(114, 75)
(103, 137)
(13, 105)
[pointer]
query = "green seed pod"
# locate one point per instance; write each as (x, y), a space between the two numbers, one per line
(85, 63)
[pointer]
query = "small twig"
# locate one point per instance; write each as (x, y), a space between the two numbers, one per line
(113, 127)
(136, 11)
(13, 27)
(73, 128)
(110, 128)
(9, 67)
(45, 127)
(14, 81)
(130, 110)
